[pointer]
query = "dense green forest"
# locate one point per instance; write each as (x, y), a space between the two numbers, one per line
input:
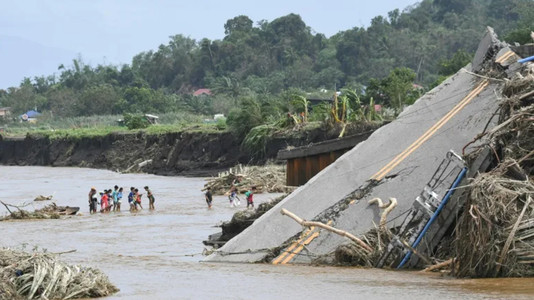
(265, 64)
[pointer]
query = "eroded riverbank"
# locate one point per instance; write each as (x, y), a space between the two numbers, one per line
(146, 254)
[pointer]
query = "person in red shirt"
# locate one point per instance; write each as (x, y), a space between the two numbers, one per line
(138, 198)
(104, 201)
(250, 197)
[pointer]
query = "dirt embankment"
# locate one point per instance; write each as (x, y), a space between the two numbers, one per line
(192, 153)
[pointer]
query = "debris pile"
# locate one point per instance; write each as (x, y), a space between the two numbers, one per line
(41, 275)
(377, 239)
(354, 255)
(51, 211)
(267, 179)
(240, 221)
(495, 234)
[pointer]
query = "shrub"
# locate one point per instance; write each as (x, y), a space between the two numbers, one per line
(221, 124)
(256, 140)
(241, 120)
(135, 121)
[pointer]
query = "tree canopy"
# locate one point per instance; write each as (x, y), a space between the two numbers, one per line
(421, 44)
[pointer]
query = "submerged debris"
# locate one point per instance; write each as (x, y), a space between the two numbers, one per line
(43, 198)
(41, 275)
(51, 211)
(377, 238)
(354, 255)
(267, 179)
(240, 221)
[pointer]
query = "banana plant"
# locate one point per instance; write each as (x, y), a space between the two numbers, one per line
(301, 102)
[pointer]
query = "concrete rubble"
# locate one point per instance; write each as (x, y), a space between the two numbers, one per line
(419, 159)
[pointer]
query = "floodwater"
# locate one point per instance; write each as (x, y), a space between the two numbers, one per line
(155, 255)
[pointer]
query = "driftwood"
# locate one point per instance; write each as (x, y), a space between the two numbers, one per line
(388, 207)
(43, 198)
(439, 266)
(51, 211)
(343, 233)
(270, 178)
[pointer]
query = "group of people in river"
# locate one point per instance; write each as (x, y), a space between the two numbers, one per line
(232, 194)
(111, 200)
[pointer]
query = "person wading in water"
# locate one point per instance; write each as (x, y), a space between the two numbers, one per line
(93, 200)
(151, 198)
(209, 197)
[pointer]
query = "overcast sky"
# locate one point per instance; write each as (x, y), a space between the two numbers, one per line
(118, 29)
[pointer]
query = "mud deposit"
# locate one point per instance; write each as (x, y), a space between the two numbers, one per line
(145, 254)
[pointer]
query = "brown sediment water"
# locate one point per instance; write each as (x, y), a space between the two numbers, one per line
(147, 254)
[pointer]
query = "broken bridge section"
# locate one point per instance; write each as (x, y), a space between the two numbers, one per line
(396, 161)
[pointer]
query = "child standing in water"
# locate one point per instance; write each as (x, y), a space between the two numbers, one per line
(119, 200)
(209, 197)
(93, 200)
(151, 198)
(110, 200)
(234, 199)
(138, 199)
(132, 199)
(250, 197)
(114, 196)
(103, 201)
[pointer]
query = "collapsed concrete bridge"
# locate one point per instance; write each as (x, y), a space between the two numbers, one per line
(397, 161)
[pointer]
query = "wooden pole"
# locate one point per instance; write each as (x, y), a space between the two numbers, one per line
(343, 233)
(439, 266)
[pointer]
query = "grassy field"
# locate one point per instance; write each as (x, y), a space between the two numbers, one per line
(81, 127)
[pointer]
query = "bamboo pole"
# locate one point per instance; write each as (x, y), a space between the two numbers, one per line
(439, 266)
(343, 233)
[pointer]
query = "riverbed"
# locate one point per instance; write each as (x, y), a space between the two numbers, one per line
(157, 254)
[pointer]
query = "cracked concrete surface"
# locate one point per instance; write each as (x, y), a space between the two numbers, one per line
(358, 166)
(396, 161)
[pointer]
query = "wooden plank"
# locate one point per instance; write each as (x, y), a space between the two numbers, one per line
(309, 174)
(302, 171)
(289, 173)
(315, 167)
(296, 172)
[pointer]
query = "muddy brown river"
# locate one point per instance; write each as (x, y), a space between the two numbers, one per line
(155, 255)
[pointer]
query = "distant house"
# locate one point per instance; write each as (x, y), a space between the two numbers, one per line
(378, 107)
(5, 112)
(30, 116)
(202, 92)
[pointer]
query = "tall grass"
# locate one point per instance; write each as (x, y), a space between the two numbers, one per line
(101, 125)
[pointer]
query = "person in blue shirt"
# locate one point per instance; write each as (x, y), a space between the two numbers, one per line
(131, 199)
(119, 198)
(114, 197)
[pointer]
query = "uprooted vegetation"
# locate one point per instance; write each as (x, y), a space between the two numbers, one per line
(41, 275)
(495, 234)
(51, 211)
(267, 179)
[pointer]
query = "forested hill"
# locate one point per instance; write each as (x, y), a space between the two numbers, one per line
(264, 59)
